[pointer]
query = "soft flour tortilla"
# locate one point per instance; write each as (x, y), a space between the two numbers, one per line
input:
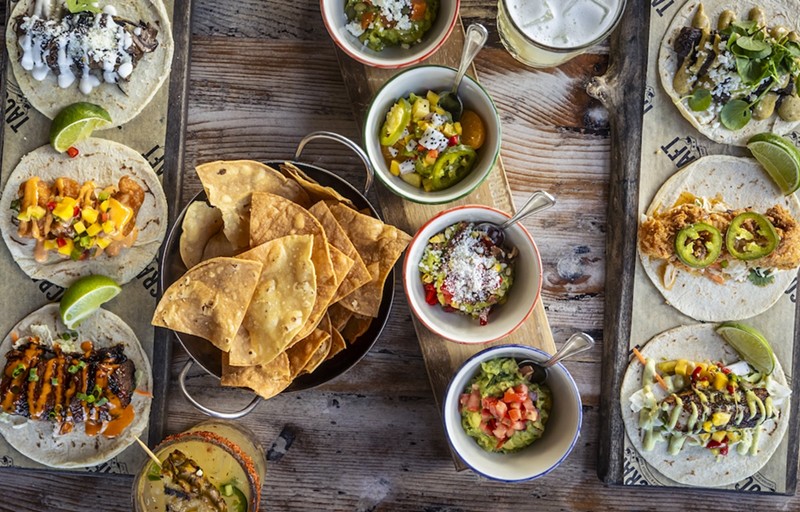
(778, 12)
(36, 439)
(145, 81)
(103, 162)
(694, 465)
(741, 183)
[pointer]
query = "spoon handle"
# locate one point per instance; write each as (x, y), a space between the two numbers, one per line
(539, 200)
(475, 39)
(577, 343)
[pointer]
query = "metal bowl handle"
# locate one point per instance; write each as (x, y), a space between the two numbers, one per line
(347, 142)
(211, 412)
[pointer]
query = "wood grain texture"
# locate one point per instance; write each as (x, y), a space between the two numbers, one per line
(372, 440)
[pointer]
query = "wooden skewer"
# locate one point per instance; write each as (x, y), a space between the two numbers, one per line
(148, 451)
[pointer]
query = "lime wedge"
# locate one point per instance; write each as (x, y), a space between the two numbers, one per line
(84, 297)
(780, 157)
(76, 123)
(750, 344)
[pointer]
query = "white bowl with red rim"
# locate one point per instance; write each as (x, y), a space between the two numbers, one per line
(561, 431)
(391, 57)
(504, 318)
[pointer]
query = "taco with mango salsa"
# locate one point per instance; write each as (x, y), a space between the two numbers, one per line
(715, 420)
(719, 240)
(101, 212)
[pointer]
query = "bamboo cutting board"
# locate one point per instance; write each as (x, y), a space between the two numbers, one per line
(442, 357)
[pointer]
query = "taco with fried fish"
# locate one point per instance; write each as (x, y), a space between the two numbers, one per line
(719, 240)
(101, 212)
(73, 398)
(698, 413)
(732, 68)
(113, 53)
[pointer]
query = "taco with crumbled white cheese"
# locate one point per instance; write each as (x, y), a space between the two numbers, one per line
(73, 398)
(732, 68)
(100, 212)
(113, 53)
(719, 240)
(697, 413)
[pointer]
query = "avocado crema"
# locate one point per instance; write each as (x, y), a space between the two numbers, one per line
(705, 404)
(737, 69)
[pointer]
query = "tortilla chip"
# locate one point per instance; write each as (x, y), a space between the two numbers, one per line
(356, 326)
(379, 245)
(337, 344)
(218, 246)
(230, 185)
(210, 300)
(302, 351)
(200, 223)
(339, 316)
(273, 217)
(319, 356)
(315, 191)
(341, 265)
(266, 380)
(282, 301)
(358, 275)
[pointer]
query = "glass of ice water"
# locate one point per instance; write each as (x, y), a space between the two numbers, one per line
(545, 33)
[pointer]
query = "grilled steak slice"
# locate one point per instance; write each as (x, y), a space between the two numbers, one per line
(735, 405)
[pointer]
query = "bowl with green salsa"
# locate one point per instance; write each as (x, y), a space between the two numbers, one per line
(419, 151)
(503, 426)
(389, 33)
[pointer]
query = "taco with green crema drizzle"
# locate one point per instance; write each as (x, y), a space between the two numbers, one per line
(719, 239)
(717, 422)
(732, 68)
(113, 53)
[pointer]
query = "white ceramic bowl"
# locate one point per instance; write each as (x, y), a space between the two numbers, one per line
(546, 453)
(395, 56)
(505, 318)
(419, 80)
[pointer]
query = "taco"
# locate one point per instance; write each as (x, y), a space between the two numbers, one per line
(720, 241)
(115, 53)
(102, 212)
(731, 68)
(73, 398)
(717, 422)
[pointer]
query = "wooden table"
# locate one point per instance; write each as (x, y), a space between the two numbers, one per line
(263, 74)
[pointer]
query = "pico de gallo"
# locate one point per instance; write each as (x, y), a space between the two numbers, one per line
(425, 147)
(77, 221)
(463, 270)
(382, 23)
(502, 409)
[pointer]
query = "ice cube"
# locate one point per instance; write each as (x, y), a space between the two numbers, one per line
(531, 13)
(586, 15)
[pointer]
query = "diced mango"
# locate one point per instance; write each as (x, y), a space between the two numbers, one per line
(89, 215)
(66, 249)
(707, 426)
(108, 227)
(50, 245)
(719, 419)
(65, 209)
(683, 367)
(449, 129)
(79, 227)
(720, 381)
(104, 206)
(119, 213)
(94, 229)
(667, 367)
(719, 436)
(103, 242)
(734, 437)
(420, 109)
(412, 178)
(433, 98)
(705, 437)
(394, 168)
(457, 127)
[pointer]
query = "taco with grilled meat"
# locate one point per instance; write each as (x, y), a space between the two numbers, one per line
(113, 53)
(719, 240)
(73, 398)
(697, 413)
(101, 212)
(732, 68)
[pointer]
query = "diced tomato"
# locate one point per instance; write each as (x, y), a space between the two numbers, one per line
(730, 389)
(532, 414)
(76, 211)
(723, 450)
(486, 429)
(51, 205)
(726, 371)
(72, 152)
(510, 396)
(418, 8)
(696, 373)
(61, 242)
(452, 141)
(515, 405)
(518, 425)
(366, 19)
(430, 294)
(515, 414)
(499, 444)
(528, 405)
(501, 408)
(485, 415)
(522, 389)
(500, 431)
(474, 402)
(420, 148)
(433, 154)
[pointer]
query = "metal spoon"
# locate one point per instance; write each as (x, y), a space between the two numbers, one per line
(539, 200)
(474, 41)
(577, 343)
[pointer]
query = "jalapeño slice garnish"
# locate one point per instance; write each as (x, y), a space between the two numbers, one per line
(751, 236)
(698, 245)
(397, 120)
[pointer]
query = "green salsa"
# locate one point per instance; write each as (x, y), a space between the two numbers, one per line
(502, 409)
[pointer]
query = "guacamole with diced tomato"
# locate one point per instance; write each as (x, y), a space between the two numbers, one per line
(502, 409)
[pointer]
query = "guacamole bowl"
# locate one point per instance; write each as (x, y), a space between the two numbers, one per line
(419, 80)
(390, 57)
(522, 295)
(543, 455)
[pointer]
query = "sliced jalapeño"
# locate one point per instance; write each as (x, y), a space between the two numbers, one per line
(397, 120)
(698, 245)
(450, 168)
(751, 236)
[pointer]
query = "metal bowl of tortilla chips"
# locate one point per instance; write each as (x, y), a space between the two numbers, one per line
(278, 276)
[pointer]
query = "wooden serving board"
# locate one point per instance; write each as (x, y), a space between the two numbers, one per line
(442, 357)
(651, 141)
